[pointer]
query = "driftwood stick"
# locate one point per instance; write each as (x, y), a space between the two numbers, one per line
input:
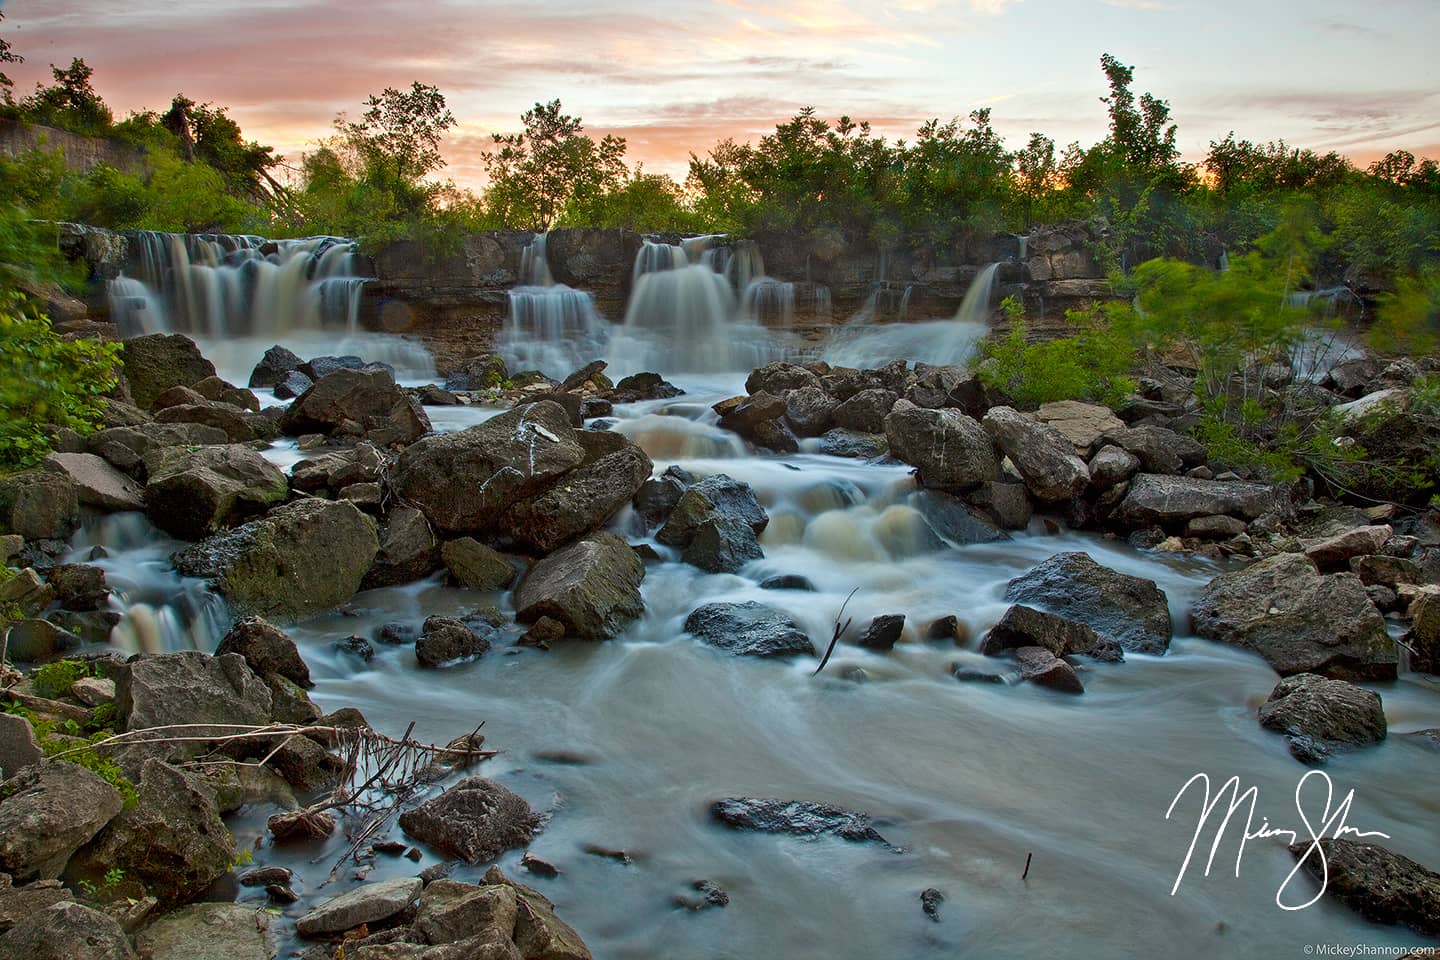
(1027, 865)
(835, 637)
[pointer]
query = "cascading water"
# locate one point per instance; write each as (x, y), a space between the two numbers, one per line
(940, 342)
(237, 295)
(768, 301)
(744, 264)
(655, 257)
(975, 308)
(549, 326)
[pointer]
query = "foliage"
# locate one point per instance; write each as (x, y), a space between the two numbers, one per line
(7, 55)
(70, 103)
(58, 741)
(400, 132)
(56, 678)
(1089, 365)
(1409, 317)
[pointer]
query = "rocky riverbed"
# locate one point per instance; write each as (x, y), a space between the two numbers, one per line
(1043, 623)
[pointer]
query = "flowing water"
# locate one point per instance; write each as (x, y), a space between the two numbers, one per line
(625, 743)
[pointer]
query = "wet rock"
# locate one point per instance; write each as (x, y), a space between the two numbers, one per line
(357, 647)
(318, 368)
(1044, 456)
(716, 497)
(1336, 552)
(1132, 611)
(397, 634)
(300, 826)
(749, 629)
(930, 900)
(1386, 571)
(358, 402)
(855, 446)
(276, 362)
(948, 386)
(370, 903)
(787, 581)
(300, 558)
(644, 386)
(796, 818)
(950, 450)
(18, 748)
(722, 545)
(1006, 503)
(711, 895)
(810, 411)
(779, 379)
(239, 425)
(408, 550)
(1297, 619)
(292, 385)
(539, 933)
(48, 812)
(267, 649)
(539, 866)
(79, 586)
(543, 632)
(126, 448)
(1382, 886)
(946, 628)
(865, 412)
(954, 519)
(1112, 465)
(592, 586)
(159, 361)
(1317, 715)
(190, 687)
(35, 640)
(465, 481)
(657, 497)
(39, 505)
(883, 632)
(475, 820)
(445, 640)
(97, 483)
(1173, 501)
(585, 498)
(1042, 667)
(362, 463)
(66, 931)
(221, 391)
(195, 492)
(172, 840)
(209, 931)
(1219, 527)
(1423, 639)
(475, 565)
(452, 911)
(1023, 626)
(1159, 449)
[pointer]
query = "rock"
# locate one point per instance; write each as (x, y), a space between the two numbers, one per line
(171, 840)
(267, 649)
(301, 826)
(1006, 503)
(1297, 619)
(97, 484)
(209, 931)
(195, 492)
(364, 402)
(779, 379)
(716, 497)
(408, 550)
(25, 589)
(1219, 527)
(483, 372)
(1112, 465)
(444, 640)
(292, 385)
(582, 500)
(32, 641)
(18, 748)
(757, 419)
(1392, 400)
(1159, 449)
(452, 911)
(369, 903)
(66, 931)
(865, 412)
(221, 391)
(431, 395)
(238, 425)
(475, 820)
(856, 446)
(366, 496)
(289, 703)
(79, 586)
(1042, 667)
(950, 450)
(159, 361)
(357, 647)
(272, 367)
(318, 368)
(591, 586)
(1044, 456)
(1423, 640)
(539, 934)
(948, 386)
(1132, 611)
(722, 545)
(658, 496)
(1023, 626)
(1317, 714)
(883, 632)
(810, 411)
(787, 581)
(362, 463)
(1173, 501)
(475, 565)
(465, 481)
(48, 812)
(930, 900)
(1381, 886)
(954, 519)
(749, 629)
(1083, 424)
(1386, 571)
(796, 818)
(644, 386)
(18, 903)
(190, 687)
(300, 558)
(39, 505)
(126, 448)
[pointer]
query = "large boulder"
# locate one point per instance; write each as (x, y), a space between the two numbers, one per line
(273, 366)
(451, 911)
(1023, 626)
(465, 481)
(49, 811)
(716, 497)
(948, 386)
(475, 565)
(591, 586)
(298, 559)
(361, 403)
(267, 649)
(338, 469)
(195, 492)
(1317, 714)
(239, 425)
(1044, 456)
(39, 505)
(97, 483)
(722, 545)
(950, 450)
(1423, 640)
(1159, 449)
(779, 379)
(475, 820)
(866, 410)
(583, 499)
(66, 931)
(408, 550)
(159, 361)
(1174, 501)
(126, 447)
(1131, 611)
(1298, 619)
(171, 840)
(1043, 668)
(1083, 424)
(190, 687)
(209, 931)
(749, 629)
(539, 933)
(954, 519)
(369, 903)
(1382, 886)
(446, 640)
(810, 411)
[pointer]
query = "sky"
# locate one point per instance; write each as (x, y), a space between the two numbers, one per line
(674, 78)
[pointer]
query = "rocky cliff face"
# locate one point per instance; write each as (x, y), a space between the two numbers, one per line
(81, 152)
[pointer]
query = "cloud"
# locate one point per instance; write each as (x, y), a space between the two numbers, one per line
(992, 8)
(1153, 6)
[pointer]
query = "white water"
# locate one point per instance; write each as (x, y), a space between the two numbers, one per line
(975, 308)
(549, 326)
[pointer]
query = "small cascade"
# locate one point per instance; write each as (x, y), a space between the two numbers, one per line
(684, 321)
(549, 326)
(975, 308)
(905, 302)
(824, 305)
(768, 301)
(743, 265)
(655, 257)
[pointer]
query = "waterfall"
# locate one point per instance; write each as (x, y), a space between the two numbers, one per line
(1024, 252)
(654, 257)
(975, 308)
(864, 344)
(549, 326)
(905, 302)
(824, 306)
(768, 301)
(743, 265)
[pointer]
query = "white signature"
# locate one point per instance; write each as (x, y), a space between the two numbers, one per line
(1331, 825)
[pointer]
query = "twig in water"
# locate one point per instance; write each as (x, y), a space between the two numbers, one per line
(835, 637)
(1027, 865)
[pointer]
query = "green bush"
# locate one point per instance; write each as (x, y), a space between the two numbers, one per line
(55, 679)
(1091, 365)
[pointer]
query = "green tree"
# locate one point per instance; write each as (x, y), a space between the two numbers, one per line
(7, 55)
(400, 132)
(70, 102)
(1035, 174)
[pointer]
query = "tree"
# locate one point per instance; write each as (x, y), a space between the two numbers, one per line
(1144, 137)
(1035, 172)
(7, 56)
(71, 101)
(401, 132)
(538, 173)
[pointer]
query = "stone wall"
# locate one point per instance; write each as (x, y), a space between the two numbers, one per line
(81, 152)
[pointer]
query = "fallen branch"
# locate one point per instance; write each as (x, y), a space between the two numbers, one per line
(835, 637)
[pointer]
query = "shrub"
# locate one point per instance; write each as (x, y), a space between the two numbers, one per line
(55, 679)
(1088, 366)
